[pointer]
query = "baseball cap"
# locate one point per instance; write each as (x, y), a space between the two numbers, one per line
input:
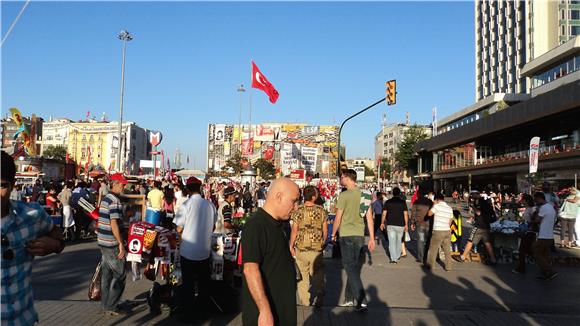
(229, 191)
(119, 177)
(192, 181)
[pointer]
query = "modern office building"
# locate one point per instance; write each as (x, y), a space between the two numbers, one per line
(490, 152)
(508, 34)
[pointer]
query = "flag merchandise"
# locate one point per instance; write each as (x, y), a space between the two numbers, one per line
(259, 81)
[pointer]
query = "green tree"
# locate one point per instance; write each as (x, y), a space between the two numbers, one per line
(369, 172)
(266, 168)
(234, 162)
(55, 152)
(405, 151)
(385, 167)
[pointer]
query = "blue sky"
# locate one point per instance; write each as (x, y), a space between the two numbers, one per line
(327, 60)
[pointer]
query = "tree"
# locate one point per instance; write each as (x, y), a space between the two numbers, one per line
(406, 149)
(369, 172)
(234, 162)
(55, 152)
(385, 167)
(266, 168)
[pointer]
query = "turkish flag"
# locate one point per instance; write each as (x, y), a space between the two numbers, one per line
(259, 81)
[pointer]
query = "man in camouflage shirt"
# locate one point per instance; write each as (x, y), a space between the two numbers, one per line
(309, 233)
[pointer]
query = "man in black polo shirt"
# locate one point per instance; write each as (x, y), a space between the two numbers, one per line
(396, 214)
(269, 277)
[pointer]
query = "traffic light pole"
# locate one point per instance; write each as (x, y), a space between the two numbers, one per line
(340, 131)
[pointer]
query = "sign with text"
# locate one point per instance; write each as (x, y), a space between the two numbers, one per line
(289, 157)
(308, 158)
(534, 151)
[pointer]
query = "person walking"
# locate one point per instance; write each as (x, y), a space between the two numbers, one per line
(568, 212)
(309, 234)
(396, 216)
(269, 275)
(421, 223)
(195, 220)
(378, 212)
(546, 216)
(112, 244)
(349, 222)
(442, 217)
(27, 231)
(67, 217)
(529, 237)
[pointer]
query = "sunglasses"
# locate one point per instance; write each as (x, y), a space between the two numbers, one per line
(4, 185)
(8, 254)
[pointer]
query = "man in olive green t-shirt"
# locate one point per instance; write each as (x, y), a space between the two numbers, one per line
(349, 222)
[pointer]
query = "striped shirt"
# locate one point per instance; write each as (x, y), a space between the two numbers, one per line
(111, 208)
(25, 222)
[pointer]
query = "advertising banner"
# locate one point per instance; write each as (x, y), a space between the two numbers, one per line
(534, 149)
(211, 132)
(297, 174)
(227, 148)
(220, 131)
(310, 130)
(264, 133)
(289, 157)
(308, 158)
(247, 146)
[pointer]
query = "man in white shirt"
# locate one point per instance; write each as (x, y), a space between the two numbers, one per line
(546, 216)
(442, 216)
(195, 220)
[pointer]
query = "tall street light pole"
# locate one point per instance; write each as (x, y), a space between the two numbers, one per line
(125, 37)
(241, 90)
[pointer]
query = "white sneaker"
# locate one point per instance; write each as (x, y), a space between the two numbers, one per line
(347, 304)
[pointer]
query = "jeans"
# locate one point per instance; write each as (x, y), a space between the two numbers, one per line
(112, 278)
(351, 249)
(421, 239)
(395, 235)
(195, 273)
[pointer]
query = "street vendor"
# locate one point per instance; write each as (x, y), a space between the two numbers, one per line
(224, 224)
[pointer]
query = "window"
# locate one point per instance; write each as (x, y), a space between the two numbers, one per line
(575, 30)
(574, 14)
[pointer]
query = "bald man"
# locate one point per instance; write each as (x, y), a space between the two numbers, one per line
(269, 277)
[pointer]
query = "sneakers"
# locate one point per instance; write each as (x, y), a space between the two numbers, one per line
(459, 259)
(361, 307)
(347, 304)
(393, 262)
(116, 313)
(516, 271)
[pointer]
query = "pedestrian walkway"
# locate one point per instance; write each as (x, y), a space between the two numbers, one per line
(89, 313)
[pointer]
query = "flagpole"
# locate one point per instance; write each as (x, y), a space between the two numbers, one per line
(251, 78)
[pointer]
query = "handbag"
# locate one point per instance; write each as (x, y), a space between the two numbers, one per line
(95, 285)
(298, 274)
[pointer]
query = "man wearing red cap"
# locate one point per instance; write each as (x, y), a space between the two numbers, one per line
(195, 220)
(112, 246)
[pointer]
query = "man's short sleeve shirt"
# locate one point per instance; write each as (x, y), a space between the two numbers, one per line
(264, 243)
(110, 209)
(351, 223)
(26, 221)
(310, 220)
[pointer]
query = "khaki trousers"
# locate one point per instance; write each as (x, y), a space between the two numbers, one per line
(438, 239)
(311, 268)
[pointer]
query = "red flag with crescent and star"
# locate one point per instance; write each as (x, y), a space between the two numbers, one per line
(259, 81)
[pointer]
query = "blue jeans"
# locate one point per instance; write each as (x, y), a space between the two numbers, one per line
(112, 278)
(421, 240)
(351, 249)
(395, 235)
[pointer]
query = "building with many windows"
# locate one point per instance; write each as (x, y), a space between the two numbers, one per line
(95, 143)
(508, 34)
(491, 152)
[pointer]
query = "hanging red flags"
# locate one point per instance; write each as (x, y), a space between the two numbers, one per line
(259, 81)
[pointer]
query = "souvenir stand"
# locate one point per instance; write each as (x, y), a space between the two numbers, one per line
(157, 249)
(505, 234)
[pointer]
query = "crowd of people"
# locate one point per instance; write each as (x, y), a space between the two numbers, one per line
(282, 241)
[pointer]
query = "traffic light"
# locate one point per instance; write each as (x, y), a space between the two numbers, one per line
(391, 92)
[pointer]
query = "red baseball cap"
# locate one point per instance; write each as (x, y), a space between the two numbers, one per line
(119, 177)
(192, 181)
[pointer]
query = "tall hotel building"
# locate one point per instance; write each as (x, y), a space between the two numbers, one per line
(508, 34)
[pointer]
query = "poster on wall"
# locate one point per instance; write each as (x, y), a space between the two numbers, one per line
(268, 152)
(308, 158)
(219, 134)
(228, 133)
(211, 132)
(227, 148)
(247, 146)
(289, 157)
(264, 133)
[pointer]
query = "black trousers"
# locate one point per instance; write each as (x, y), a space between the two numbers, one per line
(195, 273)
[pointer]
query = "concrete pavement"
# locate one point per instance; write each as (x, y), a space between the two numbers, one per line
(472, 293)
